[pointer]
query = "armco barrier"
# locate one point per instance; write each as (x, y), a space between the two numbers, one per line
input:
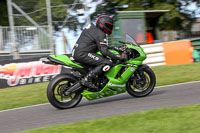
(169, 53)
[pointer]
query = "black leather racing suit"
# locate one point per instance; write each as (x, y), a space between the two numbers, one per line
(90, 41)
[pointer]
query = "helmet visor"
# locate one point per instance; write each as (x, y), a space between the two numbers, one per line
(109, 26)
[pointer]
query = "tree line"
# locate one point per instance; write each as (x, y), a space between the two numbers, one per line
(178, 17)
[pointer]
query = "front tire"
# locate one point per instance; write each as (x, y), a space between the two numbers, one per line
(55, 92)
(139, 88)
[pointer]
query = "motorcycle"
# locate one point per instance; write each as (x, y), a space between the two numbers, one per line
(65, 90)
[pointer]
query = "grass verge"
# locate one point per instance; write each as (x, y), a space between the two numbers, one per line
(174, 74)
(21, 96)
(183, 119)
(36, 94)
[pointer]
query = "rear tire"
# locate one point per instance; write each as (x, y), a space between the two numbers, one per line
(138, 88)
(56, 96)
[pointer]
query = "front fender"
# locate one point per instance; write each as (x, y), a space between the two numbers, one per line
(141, 67)
(140, 70)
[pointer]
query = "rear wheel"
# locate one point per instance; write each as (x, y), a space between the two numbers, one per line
(140, 87)
(56, 95)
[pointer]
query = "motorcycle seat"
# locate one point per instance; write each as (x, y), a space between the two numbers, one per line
(76, 62)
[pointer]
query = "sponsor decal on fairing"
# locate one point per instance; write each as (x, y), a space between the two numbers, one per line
(116, 85)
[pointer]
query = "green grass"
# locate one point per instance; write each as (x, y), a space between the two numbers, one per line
(21, 96)
(185, 119)
(174, 74)
(36, 94)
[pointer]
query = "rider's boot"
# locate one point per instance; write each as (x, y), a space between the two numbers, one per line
(87, 81)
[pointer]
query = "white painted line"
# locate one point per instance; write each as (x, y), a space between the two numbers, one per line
(49, 103)
(178, 84)
(24, 107)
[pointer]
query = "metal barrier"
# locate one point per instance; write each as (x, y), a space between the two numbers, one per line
(7, 56)
(27, 38)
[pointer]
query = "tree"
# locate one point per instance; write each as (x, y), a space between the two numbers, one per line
(178, 18)
(4, 14)
(36, 9)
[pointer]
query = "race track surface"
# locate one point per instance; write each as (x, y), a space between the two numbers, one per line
(44, 115)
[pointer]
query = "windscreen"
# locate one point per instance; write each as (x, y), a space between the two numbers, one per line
(134, 27)
(130, 40)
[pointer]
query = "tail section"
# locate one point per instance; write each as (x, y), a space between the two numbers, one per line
(61, 60)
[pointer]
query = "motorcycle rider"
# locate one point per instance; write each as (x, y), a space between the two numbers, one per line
(91, 40)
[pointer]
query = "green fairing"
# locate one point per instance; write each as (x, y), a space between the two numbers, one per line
(105, 92)
(112, 51)
(114, 86)
(65, 59)
(138, 60)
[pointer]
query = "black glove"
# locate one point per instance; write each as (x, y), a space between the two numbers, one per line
(121, 48)
(122, 57)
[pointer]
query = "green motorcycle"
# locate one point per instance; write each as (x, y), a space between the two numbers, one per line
(65, 90)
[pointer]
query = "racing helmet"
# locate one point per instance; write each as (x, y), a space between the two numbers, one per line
(105, 23)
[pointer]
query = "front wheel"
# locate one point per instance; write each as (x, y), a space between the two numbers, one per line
(56, 95)
(141, 83)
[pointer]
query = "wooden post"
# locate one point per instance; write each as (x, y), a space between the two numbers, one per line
(64, 42)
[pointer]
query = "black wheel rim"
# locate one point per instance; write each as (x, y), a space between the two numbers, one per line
(59, 95)
(139, 85)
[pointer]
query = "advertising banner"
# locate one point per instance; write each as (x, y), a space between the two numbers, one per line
(27, 71)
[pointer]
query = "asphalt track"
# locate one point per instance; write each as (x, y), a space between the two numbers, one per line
(44, 115)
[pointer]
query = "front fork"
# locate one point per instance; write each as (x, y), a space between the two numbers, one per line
(140, 71)
(140, 76)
